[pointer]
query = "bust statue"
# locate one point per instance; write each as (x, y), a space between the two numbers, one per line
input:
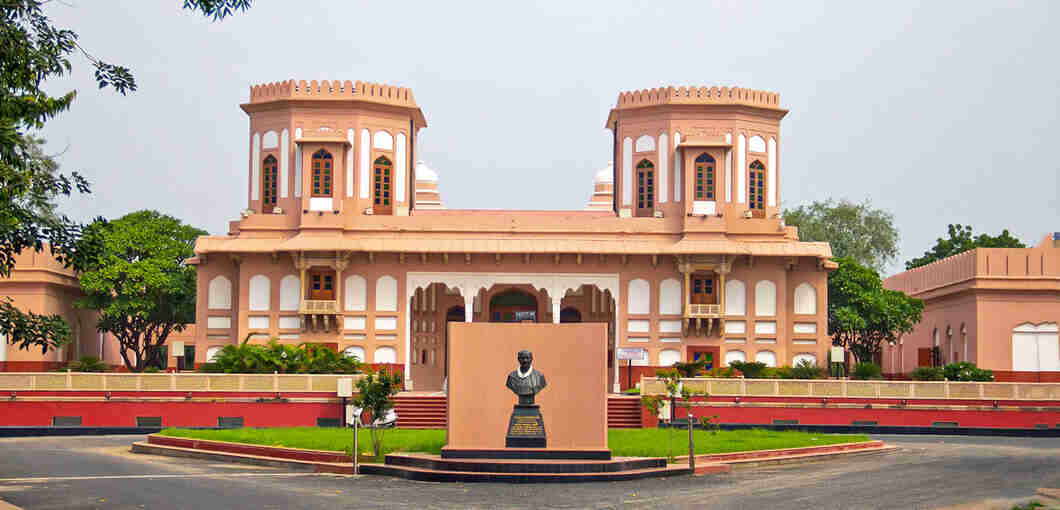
(526, 382)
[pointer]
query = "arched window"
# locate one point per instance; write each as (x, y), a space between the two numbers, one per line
(756, 189)
(765, 298)
(670, 297)
(354, 352)
(386, 294)
(322, 169)
(805, 356)
(381, 199)
(639, 297)
(290, 293)
(767, 357)
(805, 299)
(385, 355)
(212, 353)
(356, 289)
(219, 295)
(705, 177)
(731, 356)
(645, 188)
(268, 183)
(735, 298)
(259, 293)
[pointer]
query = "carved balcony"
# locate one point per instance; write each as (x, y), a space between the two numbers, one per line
(697, 311)
(319, 307)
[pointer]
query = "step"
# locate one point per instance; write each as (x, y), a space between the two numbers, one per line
(431, 475)
(436, 463)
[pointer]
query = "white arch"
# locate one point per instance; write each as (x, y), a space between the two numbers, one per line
(212, 353)
(285, 161)
(767, 357)
(805, 299)
(765, 298)
(1035, 348)
(259, 293)
(772, 183)
(727, 175)
(677, 168)
(290, 293)
(735, 298)
(804, 356)
(627, 171)
(362, 164)
(219, 295)
(386, 294)
(356, 289)
(756, 144)
(382, 140)
(348, 184)
(735, 355)
(741, 168)
(664, 158)
(667, 357)
(297, 163)
(355, 352)
(400, 157)
(385, 355)
(270, 140)
(670, 297)
(255, 167)
(639, 300)
(645, 143)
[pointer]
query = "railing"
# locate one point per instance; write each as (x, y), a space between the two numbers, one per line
(319, 306)
(81, 381)
(695, 310)
(860, 389)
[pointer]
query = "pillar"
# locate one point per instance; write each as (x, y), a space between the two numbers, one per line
(469, 305)
(557, 302)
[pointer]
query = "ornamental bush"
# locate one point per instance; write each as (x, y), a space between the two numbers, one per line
(928, 374)
(806, 370)
(304, 358)
(866, 371)
(750, 369)
(85, 364)
(965, 371)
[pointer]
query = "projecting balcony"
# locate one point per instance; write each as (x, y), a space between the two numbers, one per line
(319, 307)
(698, 311)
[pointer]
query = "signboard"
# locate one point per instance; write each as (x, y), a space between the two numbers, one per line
(837, 354)
(633, 354)
(178, 348)
(345, 387)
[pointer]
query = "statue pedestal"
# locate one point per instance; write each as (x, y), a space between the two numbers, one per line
(526, 428)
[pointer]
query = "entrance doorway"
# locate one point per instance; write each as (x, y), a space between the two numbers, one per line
(513, 305)
(695, 352)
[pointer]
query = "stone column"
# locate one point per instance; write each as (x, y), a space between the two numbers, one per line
(557, 302)
(469, 305)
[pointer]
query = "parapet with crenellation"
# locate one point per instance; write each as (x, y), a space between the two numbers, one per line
(333, 90)
(697, 95)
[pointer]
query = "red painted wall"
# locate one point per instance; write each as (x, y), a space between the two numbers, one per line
(174, 414)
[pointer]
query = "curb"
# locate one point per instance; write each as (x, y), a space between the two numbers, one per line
(726, 462)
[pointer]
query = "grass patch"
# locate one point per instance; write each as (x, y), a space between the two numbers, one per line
(623, 442)
(656, 442)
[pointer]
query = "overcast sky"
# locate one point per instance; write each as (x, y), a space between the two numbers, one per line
(939, 112)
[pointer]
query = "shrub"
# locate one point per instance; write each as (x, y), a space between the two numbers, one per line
(85, 364)
(965, 371)
(807, 370)
(305, 358)
(928, 374)
(374, 397)
(150, 369)
(781, 372)
(692, 368)
(722, 372)
(632, 391)
(864, 371)
(750, 369)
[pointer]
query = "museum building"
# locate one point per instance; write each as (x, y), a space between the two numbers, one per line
(345, 241)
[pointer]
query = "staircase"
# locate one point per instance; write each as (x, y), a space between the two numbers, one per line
(623, 412)
(429, 412)
(421, 412)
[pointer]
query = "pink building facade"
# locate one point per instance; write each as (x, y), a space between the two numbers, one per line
(681, 250)
(995, 307)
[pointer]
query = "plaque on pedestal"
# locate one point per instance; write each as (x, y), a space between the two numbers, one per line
(526, 428)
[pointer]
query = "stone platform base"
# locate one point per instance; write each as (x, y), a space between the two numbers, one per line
(526, 454)
(435, 468)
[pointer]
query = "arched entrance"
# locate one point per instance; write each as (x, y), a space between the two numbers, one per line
(570, 314)
(513, 305)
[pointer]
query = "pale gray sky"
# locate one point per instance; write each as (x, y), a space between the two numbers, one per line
(940, 112)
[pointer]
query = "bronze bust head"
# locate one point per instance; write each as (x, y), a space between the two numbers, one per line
(526, 382)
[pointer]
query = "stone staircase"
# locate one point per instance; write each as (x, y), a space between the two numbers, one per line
(623, 412)
(429, 411)
(421, 411)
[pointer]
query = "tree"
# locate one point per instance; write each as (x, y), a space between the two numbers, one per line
(960, 240)
(858, 231)
(139, 284)
(32, 52)
(862, 315)
(375, 397)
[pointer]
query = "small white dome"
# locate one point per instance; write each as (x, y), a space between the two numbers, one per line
(606, 174)
(424, 172)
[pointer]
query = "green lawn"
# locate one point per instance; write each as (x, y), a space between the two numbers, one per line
(623, 442)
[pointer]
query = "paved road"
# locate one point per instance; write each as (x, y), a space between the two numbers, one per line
(928, 472)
